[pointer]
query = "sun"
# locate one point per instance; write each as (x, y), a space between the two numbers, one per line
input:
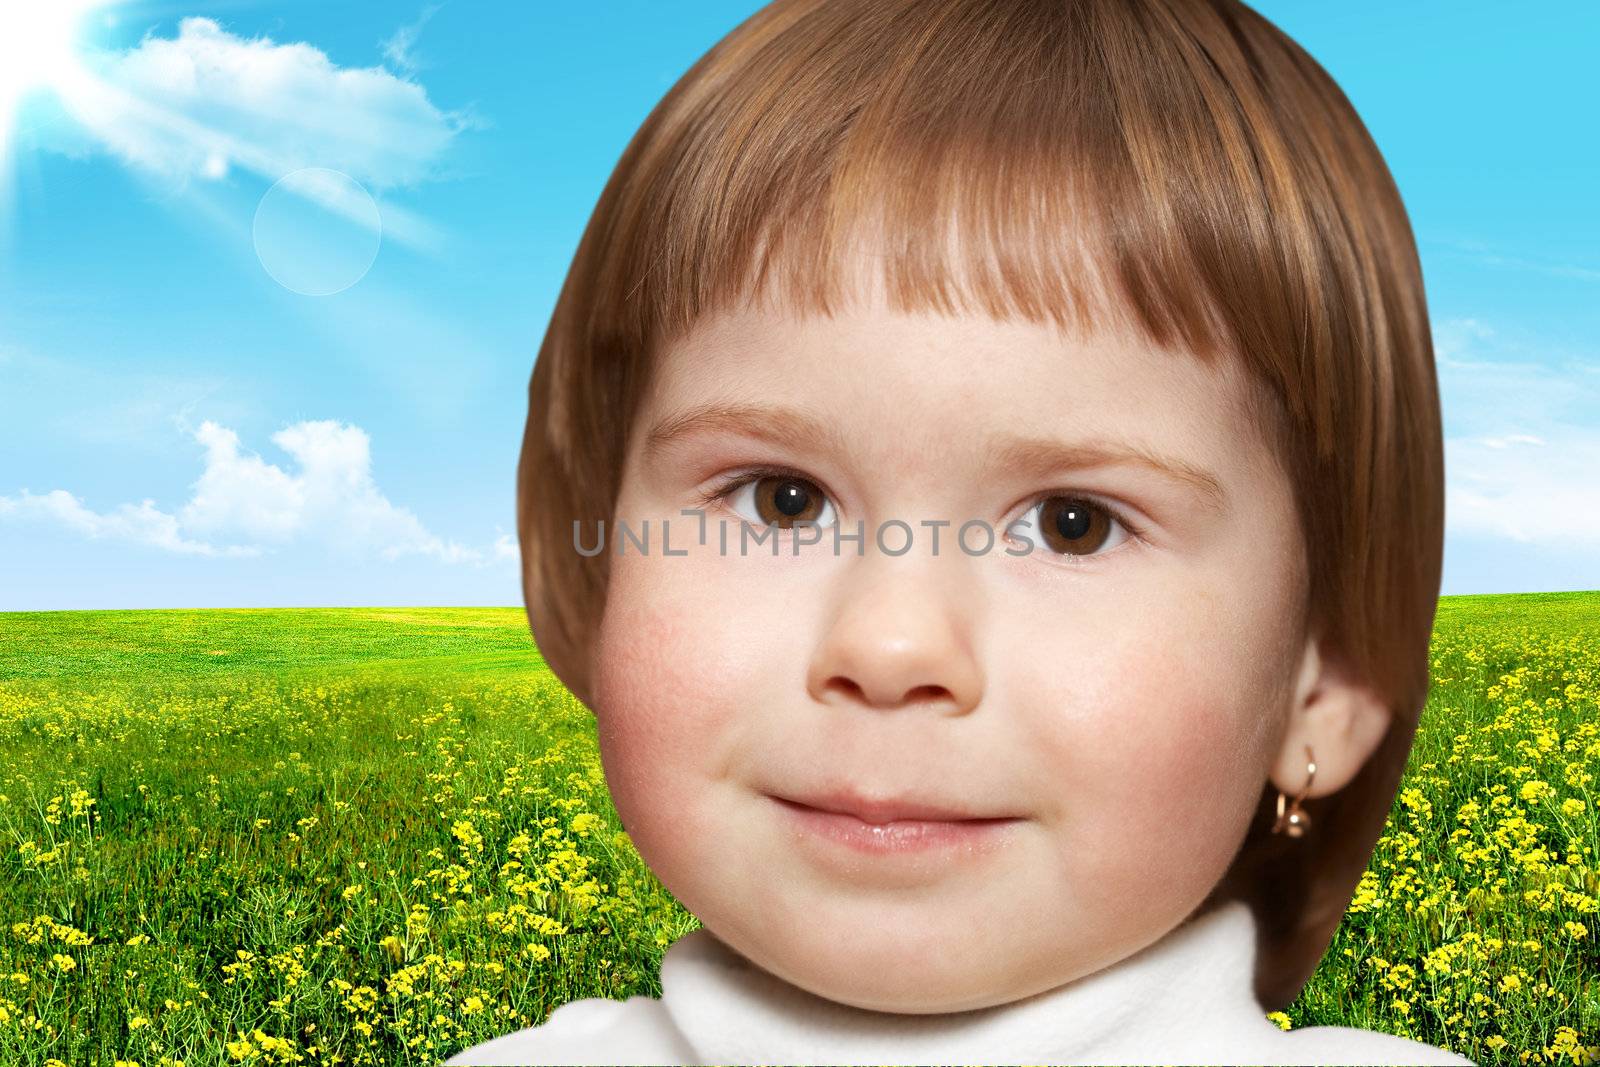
(38, 49)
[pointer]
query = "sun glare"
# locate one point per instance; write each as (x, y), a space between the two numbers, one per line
(38, 43)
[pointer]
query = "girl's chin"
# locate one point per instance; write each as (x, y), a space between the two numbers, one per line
(852, 950)
(884, 981)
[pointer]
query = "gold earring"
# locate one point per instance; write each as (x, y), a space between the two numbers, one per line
(1296, 822)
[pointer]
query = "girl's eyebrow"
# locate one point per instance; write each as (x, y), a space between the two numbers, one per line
(779, 425)
(1041, 457)
(1032, 457)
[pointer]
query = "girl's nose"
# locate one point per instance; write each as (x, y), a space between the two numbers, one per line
(901, 633)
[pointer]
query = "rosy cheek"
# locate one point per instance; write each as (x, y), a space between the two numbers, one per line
(1131, 751)
(655, 710)
(636, 683)
(1188, 794)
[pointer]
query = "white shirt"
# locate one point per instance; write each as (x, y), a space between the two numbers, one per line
(1185, 999)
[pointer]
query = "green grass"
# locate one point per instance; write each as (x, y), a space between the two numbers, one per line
(227, 643)
(236, 772)
(381, 835)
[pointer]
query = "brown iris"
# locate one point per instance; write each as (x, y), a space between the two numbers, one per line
(1073, 526)
(784, 501)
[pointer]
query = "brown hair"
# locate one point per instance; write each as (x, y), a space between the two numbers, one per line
(1180, 165)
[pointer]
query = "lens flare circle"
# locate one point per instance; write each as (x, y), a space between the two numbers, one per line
(317, 231)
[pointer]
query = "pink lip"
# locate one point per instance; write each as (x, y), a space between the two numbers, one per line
(845, 802)
(897, 835)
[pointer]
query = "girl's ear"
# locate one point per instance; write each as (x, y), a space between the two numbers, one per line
(1342, 719)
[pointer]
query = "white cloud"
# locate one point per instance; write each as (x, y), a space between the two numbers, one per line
(1487, 255)
(127, 404)
(197, 104)
(142, 523)
(1534, 490)
(1522, 444)
(330, 499)
(398, 48)
(1497, 381)
(1454, 337)
(1511, 439)
(242, 493)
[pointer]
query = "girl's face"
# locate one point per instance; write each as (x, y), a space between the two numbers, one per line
(1118, 691)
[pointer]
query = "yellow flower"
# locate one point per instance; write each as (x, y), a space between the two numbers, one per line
(466, 833)
(1535, 790)
(393, 946)
(1510, 983)
(270, 1043)
(137, 1021)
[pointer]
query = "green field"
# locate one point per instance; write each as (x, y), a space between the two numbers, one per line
(380, 835)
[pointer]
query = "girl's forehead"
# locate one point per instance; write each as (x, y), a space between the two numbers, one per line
(868, 338)
(958, 379)
(969, 371)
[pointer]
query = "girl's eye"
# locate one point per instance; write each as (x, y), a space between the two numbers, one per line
(777, 499)
(1071, 525)
(1065, 524)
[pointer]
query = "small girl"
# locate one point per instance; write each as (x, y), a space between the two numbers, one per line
(1067, 365)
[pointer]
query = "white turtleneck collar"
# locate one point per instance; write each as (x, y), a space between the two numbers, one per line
(1162, 1000)
(1187, 998)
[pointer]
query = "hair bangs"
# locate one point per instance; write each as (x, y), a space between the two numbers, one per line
(934, 169)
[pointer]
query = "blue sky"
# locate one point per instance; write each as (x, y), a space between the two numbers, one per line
(196, 410)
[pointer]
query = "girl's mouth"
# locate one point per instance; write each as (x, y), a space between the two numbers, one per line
(897, 835)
